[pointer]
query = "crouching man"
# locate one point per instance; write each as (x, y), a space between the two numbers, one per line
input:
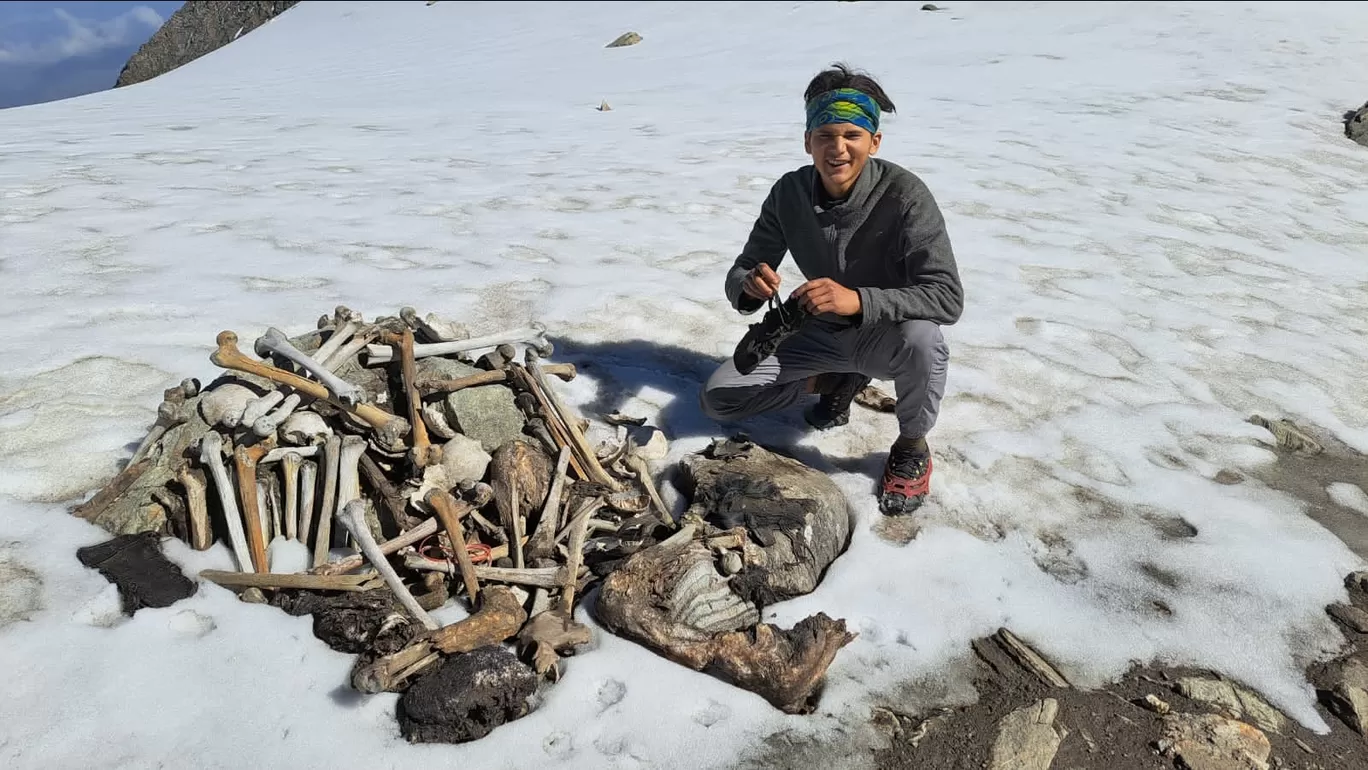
(881, 282)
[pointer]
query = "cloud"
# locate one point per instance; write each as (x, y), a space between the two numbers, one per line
(84, 37)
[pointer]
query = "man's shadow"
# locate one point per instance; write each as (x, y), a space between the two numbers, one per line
(625, 369)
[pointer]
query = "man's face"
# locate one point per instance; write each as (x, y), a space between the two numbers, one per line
(840, 151)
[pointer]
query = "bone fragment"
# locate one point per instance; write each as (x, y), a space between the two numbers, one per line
(591, 464)
(363, 337)
(308, 481)
(565, 372)
(533, 335)
(92, 508)
(643, 472)
(432, 328)
(1029, 659)
(515, 526)
(579, 529)
(169, 415)
(345, 324)
(394, 501)
(423, 452)
(244, 465)
(549, 633)
(278, 454)
(352, 517)
(275, 341)
(427, 529)
(257, 408)
(211, 457)
(197, 505)
(364, 582)
(304, 429)
(542, 542)
(289, 467)
(268, 423)
(390, 428)
(449, 512)
(332, 456)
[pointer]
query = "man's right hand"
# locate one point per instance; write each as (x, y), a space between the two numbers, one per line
(761, 282)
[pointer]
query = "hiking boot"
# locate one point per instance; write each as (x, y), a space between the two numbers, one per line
(906, 480)
(765, 336)
(833, 409)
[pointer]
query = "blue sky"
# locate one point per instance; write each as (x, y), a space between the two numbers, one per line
(58, 49)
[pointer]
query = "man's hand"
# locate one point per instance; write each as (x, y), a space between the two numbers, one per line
(826, 296)
(761, 282)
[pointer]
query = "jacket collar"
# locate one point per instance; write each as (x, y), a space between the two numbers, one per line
(859, 194)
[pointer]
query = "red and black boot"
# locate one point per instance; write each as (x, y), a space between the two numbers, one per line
(906, 478)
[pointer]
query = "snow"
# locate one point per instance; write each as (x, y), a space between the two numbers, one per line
(1349, 495)
(1159, 224)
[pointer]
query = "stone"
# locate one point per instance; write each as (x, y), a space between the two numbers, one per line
(442, 368)
(136, 564)
(604, 107)
(199, 27)
(21, 589)
(1213, 742)
(486, 413)
(625, 39)
(1153, 703)
(1288, 435)
(1027, 738)
(650, 442)
(1227, 477)
(799, 517)
(1347, 696)
(1351, 616)
(467, 696)
(1237, 702)
(930, 7)
(1356, 124)
(464, 459)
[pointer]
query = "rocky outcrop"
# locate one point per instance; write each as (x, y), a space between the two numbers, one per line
(1356, 124)
(198, 28)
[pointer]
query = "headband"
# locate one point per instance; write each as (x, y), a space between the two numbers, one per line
(844, 105)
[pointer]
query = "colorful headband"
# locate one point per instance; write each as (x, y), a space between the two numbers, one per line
(844, 105)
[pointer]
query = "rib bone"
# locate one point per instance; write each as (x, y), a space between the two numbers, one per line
(390, 428)
(352, 517)
(534, 335)
(275, 341)
(211, 457)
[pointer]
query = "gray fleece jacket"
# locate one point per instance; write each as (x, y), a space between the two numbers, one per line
(886, 240)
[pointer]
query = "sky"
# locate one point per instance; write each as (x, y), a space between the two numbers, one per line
(56, 50)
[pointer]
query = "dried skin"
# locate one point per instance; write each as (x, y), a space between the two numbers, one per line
(522, 465)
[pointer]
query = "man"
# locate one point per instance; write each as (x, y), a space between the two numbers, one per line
(881, 282)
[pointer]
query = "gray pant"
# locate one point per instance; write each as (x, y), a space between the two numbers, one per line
(912, 354)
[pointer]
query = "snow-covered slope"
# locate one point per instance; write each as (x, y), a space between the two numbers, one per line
(1160, 229)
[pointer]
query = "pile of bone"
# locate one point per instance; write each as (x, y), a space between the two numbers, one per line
(368, 473)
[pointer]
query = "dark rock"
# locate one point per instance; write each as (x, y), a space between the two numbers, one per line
(930, 7)
(487, 413)
(1356, 124)
(466, 697)
(198, 28)
(136, 564)
(352, 622)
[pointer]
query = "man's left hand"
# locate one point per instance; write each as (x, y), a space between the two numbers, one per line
(826, 296)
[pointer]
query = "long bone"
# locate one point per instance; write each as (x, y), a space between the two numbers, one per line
(391, 429)
(345, 324)
(308, 481)
(534, 335)
(332, 455)
(289, 465)
(245, 464)
(348, 470)
(423, 453)
(169, 415)
(352, 516)
(275, 341)
(267, 424)
(363, 337)
(449, 512)
(278, 454)
(211, 457)
(197, 504)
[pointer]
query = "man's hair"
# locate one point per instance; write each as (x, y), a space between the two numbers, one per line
(842, 76)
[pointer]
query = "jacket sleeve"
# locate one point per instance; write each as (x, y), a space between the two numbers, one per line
(765, 244)
(932, 289)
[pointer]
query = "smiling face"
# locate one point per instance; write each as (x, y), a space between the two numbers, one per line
(839, 152)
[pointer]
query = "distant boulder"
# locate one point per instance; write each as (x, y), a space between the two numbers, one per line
(198, 28)
(624, 40)
(1356, 124)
